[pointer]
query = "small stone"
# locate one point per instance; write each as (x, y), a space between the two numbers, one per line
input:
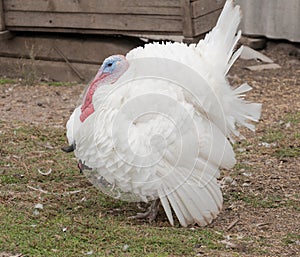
(125, 247)
(256, 43)
(241, 150)
(228, 179)
(39, 206)
(267, 145)
(247, 174)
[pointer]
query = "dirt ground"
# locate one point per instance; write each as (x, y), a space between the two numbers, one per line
(262, 197)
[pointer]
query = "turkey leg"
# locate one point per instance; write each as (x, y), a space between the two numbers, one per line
(151, 213)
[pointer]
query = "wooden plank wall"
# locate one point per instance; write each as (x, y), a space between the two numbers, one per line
(46, 70)
(69, 58)
(166, 7)
(188, 30)
(2, 23)
(76, 49)
(59, 58)
(104, 15)
(205, 14)
(171, 17)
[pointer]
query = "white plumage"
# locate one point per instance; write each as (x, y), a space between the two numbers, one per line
(161, 128)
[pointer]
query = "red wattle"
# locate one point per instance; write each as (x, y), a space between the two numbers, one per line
(87, 107)
(86, 112)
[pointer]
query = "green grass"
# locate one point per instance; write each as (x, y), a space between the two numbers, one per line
(285, 139)
(265, 201)
(242, 166)
(24, 81)
(287, 152)
(255, 201)
(291, 238)
(272, 136)
(293, 118)
(59, 83)
(94, 223)
(45, 236)
(9, 179)
(7, 81)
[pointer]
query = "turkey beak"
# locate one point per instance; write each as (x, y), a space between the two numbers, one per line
(99, 76)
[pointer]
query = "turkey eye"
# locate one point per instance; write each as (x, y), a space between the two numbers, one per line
(109, 64)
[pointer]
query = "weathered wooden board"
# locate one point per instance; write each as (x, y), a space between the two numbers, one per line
(203, 24)
(165, 7)
(5, 34)
(188, 18)
(188, 29)
(76, 5)
(48, 70)
(157, 35)
(76, 49)
(73, 58)
(2, 23)
(203, 7)
(94, 21)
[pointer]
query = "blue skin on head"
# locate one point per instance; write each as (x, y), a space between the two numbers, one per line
(112, 68)
(110, 63)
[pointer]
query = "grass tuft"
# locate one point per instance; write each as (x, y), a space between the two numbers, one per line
(291, 238)
(4, 81)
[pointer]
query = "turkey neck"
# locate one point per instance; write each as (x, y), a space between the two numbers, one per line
(87, 107)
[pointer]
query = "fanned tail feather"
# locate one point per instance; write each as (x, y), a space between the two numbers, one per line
(195, 199)
(219, 44)
(244, 112)
(218, 50)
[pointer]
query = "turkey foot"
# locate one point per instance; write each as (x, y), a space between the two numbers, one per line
(82, 167)
(151, 213)
(68, 148)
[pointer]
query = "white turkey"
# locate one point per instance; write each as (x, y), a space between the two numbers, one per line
(158, 123)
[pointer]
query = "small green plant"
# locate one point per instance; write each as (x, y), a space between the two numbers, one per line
(291, 238)
(60, 83)
(273, 136)
(7, 81)
(287, 152)
(293, 118)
